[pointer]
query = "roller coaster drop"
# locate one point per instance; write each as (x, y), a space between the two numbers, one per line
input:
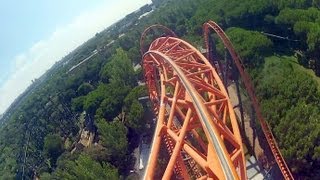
(196, 121)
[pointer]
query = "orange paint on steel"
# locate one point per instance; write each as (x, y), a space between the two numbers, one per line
(194, 113)
(250, 89)
(166, 30)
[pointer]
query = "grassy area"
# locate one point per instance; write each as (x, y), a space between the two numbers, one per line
(297, 66)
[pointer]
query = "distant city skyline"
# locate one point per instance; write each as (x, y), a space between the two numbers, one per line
(36, 34)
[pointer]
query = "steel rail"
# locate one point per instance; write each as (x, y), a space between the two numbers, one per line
(168, 32)
(229, 171)
(250, 89)
(192, 72)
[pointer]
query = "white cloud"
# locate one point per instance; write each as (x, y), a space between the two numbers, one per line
(43, 54)
(20, 61)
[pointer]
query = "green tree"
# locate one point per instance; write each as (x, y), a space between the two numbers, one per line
(305, 25)
(134, 54)
(86, 168)
(134, 109)
(77, 103)
(290, 101)
(316, 3)
(84, 89)
(9, 164)
(251, 45)
(109, 108)
(135, 117)
(293, 3)
(111, 105)
(119, 70)
(135, 93)
(53, 147)
(113, 136)
(94, 98)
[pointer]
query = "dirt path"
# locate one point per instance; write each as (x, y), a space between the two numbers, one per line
(249, 130)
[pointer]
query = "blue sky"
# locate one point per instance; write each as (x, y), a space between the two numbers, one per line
(26, 22)
(37, 33)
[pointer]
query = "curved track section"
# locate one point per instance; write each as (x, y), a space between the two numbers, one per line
(196, 121)
(249, 87)
(167, 32)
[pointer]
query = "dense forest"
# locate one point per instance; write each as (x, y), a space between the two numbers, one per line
(40, 138)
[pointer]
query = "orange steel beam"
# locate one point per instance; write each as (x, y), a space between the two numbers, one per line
(250, 89)
(166, 30)
(196, 120)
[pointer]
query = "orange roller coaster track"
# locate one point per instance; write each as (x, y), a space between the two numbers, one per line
(195, 117)
(250, 89)
(196, 121)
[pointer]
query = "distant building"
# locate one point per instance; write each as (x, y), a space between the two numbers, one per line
(136, 67)
(121, 35)
(145, 14)
(111, 42)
